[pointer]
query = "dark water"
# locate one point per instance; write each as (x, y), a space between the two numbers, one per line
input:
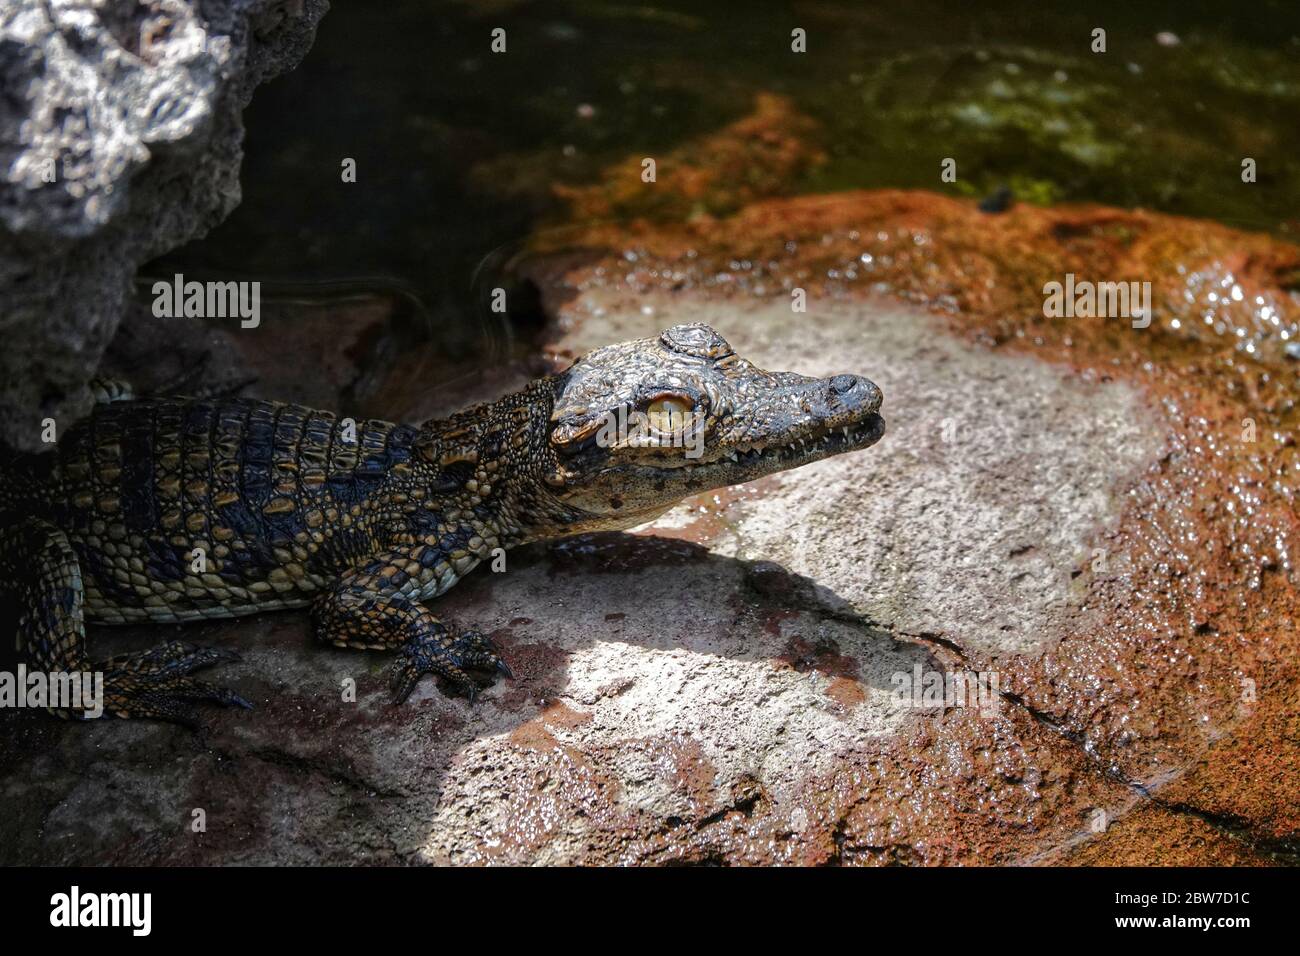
(457, 148)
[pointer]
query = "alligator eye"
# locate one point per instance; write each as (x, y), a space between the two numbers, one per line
(668, 413)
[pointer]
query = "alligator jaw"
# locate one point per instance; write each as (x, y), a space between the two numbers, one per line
(823, 443)
(749, 462)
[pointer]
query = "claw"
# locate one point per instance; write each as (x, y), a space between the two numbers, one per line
(504, 668)
(472, 693)
(402, 684)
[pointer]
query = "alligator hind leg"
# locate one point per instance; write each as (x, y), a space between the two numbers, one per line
(365, 611)
(39, 566)
(40, 570)
(156, 683)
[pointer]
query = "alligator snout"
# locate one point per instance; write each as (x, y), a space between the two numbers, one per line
(854, 393)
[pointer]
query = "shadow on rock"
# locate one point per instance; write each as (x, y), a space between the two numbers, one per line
(651, 635)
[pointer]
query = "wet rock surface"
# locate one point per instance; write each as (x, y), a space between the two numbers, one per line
(1070, 505)
(1172, 666)
(123, 140)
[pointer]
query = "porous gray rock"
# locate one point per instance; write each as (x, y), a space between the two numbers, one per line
(120, 139)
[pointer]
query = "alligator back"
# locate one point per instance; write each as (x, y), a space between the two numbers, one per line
(182, 509)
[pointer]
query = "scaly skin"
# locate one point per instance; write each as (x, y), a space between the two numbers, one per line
(173, 510)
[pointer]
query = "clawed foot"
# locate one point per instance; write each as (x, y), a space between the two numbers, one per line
(156, 683)
(449, 658)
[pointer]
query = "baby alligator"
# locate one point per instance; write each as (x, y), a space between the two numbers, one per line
(171, 510)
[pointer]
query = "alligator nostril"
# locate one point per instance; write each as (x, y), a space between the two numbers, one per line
(844, 384)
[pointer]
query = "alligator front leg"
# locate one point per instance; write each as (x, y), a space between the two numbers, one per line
(374, 608)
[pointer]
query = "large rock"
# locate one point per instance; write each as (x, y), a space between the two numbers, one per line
(122, 139)
(1072, 505)
(697, 674)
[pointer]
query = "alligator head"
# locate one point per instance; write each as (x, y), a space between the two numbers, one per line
(637, 427)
